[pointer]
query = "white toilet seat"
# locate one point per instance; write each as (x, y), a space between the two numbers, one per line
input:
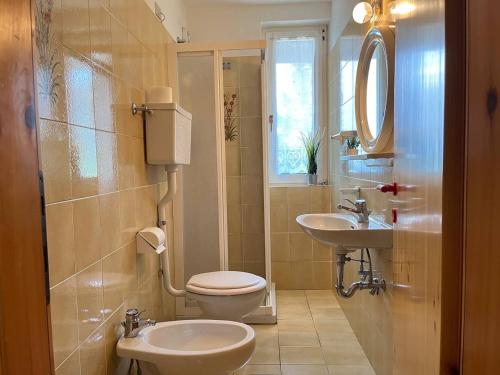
(225, 283)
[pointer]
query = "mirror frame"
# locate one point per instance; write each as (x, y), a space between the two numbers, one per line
(384, 142)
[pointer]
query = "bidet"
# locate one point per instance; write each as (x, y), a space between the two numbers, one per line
(190, 347)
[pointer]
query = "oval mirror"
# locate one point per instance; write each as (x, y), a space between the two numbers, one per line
(374, 95)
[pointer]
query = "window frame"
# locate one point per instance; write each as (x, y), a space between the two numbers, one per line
(319, 33)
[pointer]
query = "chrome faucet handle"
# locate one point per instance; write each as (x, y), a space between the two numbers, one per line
(350, 201)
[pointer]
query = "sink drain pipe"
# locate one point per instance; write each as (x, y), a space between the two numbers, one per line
(367, 281)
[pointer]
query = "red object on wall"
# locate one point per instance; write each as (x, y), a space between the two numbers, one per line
(389, 188)
(394, 215)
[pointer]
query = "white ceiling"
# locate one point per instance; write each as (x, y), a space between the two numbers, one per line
(257, 2)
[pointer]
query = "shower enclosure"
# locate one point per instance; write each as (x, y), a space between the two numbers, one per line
(222, 215)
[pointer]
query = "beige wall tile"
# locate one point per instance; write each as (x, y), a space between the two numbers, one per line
(64, 318)
(322, 275)
(71, 366)
(145, 207)
(281, 273)
(234, 219)
(107, 162)
(61, 240)
(250, 72)
(302, 275)
(80, 162)
(51, 88)
(278, 195)
(250, 101)
(104, 98)
(140, 169)
(251, 132)
(109, 209)
(128, 225)
(83, 156)
(279, 217)
(295, 210)
(126, 170)
(298, 195)
(113, 331)
(252, 191)
(252, 219)
(233, 161)
(233, 190)
(253, 247)
(112, 280)
(251, 161)
(234, 249)
(100, 34)
(300, 247)
(86, 220)
(231, 76)
(54, 144)
(280, 247)
(89, 298)
(78, 79)
(321, 252)
(93, 354)
(75, 31)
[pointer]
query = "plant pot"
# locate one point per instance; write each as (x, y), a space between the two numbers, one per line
(313, 179)
(352, 151)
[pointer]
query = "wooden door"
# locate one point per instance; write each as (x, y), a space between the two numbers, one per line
(24, 323)
(429, 131)
(482, 254)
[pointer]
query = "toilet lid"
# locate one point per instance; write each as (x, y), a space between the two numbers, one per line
(225, 282)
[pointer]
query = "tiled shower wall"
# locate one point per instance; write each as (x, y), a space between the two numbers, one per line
(244, 170)
(94, 58)
(369, 316)
(298, 262)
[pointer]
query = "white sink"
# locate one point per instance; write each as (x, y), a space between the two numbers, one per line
(191, 347)
(344, 231)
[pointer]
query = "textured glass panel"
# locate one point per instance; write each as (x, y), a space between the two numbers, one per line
(295, 98)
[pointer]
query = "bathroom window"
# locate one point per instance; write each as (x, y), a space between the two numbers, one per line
(296, 89)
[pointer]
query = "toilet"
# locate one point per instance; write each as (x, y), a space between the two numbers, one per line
(226, 295)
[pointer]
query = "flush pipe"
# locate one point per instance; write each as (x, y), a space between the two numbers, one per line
(373, 283)
(162, 224)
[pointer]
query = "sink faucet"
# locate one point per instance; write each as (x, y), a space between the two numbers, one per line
(133, 324)
(360, 209)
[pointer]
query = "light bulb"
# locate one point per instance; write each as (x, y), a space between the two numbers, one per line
(401, 8)
(362, 12)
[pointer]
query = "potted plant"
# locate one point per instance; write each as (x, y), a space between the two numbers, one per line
(352, 145)
(312, 143)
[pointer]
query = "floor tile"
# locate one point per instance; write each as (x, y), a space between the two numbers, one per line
(312, 337)
(260, 370)
(304, 370)
(344, 355)
(296, 325)
(294, 338)
(301, 355)
(350, 370)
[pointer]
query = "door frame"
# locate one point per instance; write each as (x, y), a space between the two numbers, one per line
(25, 343)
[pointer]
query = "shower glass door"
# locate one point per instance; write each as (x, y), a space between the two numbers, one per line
(244, 165)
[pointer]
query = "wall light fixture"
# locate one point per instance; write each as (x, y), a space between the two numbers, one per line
(365, 11)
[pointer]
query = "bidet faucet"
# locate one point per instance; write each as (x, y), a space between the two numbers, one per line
(360, 209)
(133, 324)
